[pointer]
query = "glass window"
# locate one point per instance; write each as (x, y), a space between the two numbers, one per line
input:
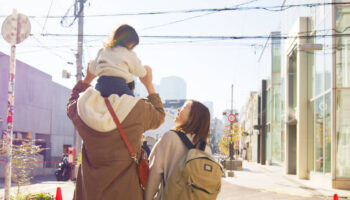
(319, 135)
(328, 51)
(268, 143)
(343, 48)
(276, 142)
(311, 75)
(327, 133)
(343, 133)
(276, 103)
(319, 68)
(276, 54)
(292, 85)
(268, 106)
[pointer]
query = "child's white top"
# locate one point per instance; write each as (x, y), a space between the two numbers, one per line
(117, 61)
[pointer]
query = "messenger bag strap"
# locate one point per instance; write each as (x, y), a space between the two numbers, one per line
(121, 131)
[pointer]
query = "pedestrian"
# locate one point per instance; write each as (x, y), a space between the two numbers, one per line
(117, 61)
(193, 119)
(146, 147)
(107, 171)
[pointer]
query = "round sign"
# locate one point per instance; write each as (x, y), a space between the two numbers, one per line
(231, 118)
(16, 28)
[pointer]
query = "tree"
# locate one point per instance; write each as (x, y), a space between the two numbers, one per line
(25, 157)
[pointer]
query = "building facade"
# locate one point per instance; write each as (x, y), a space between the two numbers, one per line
(308, 93)
(249, 119)
(39, 110)
(317, 92)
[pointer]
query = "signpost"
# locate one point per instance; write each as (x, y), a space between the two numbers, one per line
(231, 118)
(15, 29)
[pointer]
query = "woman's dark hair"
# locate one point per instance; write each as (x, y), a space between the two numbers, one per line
(198, 122)
(123, 36)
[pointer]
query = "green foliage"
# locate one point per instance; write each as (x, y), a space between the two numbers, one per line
(25, 156)
(34, 196)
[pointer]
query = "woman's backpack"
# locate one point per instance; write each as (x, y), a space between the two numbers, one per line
(197, 176)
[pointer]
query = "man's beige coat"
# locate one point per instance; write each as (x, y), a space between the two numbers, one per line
(107, 172)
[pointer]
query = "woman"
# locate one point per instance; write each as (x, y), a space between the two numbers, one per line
(107, 172)
(194, 120)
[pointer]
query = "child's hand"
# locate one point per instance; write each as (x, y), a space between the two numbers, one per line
(89, 76)
(147, 80)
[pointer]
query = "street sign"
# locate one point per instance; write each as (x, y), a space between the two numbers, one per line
(231, 118)
(16, 28)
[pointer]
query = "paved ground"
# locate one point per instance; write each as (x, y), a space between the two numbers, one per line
(231, 191)
(273, 179)
(254, 182)
(44, 184)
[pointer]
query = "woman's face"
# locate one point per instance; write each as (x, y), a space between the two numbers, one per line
(183, 113)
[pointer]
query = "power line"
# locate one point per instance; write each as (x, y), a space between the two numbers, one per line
(192, 17)
(266, 8)
(205, 37)
(177, 21)
(48, 13)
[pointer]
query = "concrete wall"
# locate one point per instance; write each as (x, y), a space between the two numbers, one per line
(33, 97)
(40, 107)
(62, 129)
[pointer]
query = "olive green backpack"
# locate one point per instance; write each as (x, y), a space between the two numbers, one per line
(197, 176)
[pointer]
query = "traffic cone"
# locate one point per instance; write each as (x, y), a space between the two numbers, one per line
(58, 194)
(335, 197)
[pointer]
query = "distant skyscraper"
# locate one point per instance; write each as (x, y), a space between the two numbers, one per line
(172, 87)
(140, 90)
(210, 106)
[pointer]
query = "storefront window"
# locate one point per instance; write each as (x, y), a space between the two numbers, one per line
(328, 51)
(327, 133)
(276, 142)
(343, 48)
(268, 106)
(276, 53)
(276, 103)
(343, 134)
(319, 68)
(319, 159)
(292, 85)
(268, 143)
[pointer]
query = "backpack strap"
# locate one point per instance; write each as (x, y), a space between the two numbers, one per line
(202, 144)
(185, 139)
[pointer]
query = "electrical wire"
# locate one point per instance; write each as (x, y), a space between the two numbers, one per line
(192, 17)
(266, 8)
(205, 37)
(177, 21)
(48, 13)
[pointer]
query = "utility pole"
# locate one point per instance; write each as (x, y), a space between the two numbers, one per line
(231, 149)
(79, 60)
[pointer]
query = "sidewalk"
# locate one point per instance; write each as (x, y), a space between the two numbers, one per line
(272, 179)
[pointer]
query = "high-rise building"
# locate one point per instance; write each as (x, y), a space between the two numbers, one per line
(210, 106)
(172, 87)
(140, 90)
(171, 109)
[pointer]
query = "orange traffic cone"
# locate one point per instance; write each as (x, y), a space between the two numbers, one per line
(58, 194)
(335, 197)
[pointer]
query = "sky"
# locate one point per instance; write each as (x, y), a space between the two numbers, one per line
(209, 67)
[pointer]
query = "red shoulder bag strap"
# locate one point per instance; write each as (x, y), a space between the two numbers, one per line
(121, 131)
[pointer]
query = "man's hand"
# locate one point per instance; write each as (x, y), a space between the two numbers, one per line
(89, 76)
